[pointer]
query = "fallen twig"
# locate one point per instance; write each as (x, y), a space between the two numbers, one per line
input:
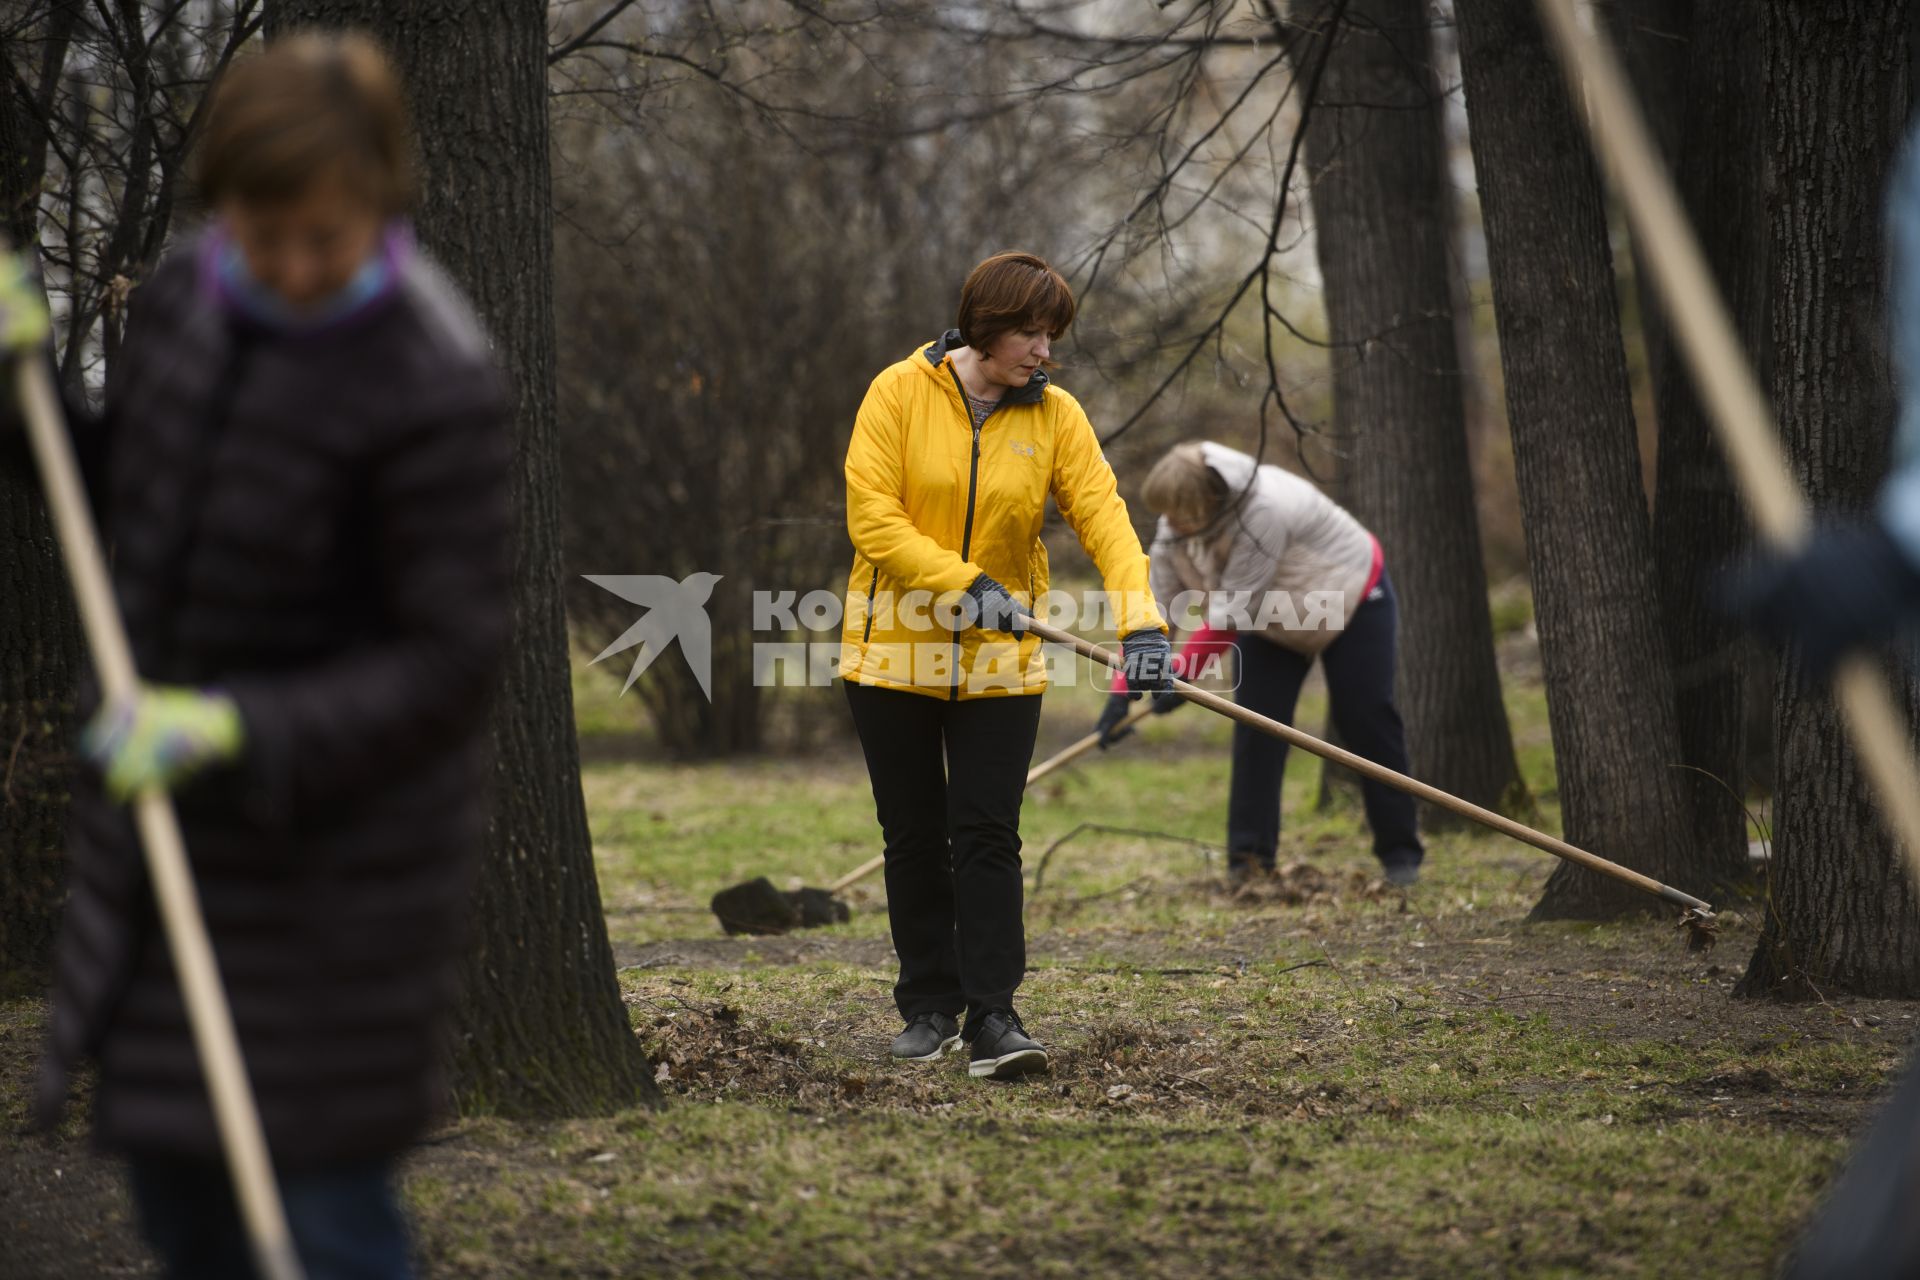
(1040, 868)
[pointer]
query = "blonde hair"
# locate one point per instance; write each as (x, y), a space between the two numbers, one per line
(1183, 488)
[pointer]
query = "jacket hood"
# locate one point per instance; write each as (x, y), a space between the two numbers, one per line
(1233, 466)
(937, 351)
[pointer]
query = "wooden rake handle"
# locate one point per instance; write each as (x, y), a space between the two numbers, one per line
(235, 1115)
(1380, 773)
(1140, 711)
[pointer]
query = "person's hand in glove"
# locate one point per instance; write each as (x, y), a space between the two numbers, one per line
(1111, 726)
(997, 610)
(1147, 665)
(1850, 585)
(162, 737)
(24, 323)
(1146, 662)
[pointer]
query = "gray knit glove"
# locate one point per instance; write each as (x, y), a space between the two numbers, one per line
(1146, 660)
(996, 609)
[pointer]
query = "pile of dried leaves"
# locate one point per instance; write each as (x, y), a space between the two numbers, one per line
(710, 1047)
(1302, 884)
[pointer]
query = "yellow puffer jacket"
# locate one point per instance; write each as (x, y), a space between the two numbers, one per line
(931, 505)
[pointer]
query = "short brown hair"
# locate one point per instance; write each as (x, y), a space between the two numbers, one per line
(1010, 292)
(311, 105)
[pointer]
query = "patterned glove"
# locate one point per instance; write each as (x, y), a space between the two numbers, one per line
(24, 324)
(161, 738)
(1146, 660)
(996, 609)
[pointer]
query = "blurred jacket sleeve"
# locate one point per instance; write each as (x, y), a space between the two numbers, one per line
(88, 431)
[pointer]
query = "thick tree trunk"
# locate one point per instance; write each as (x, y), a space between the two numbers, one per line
(541, 1029)
(1699, 524)
(40, 643)
(1609, 687)
(1374, 147)
(1841, 910)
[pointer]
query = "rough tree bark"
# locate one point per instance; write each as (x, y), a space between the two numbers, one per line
(1374, 148)
(541, 1027)
(40, 643)
(1841, 913)
(1699, 523)
(1652, 38)
(1609, 687)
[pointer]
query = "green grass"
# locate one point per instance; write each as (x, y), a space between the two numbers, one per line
(1345, 1085)
(1018, 1193)
(1336, 1081)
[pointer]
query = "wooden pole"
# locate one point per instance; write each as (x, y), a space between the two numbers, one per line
(1380, 773)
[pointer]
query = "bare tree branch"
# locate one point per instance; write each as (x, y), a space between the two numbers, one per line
(592, 29)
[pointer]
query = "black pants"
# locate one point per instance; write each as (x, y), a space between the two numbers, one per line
(1359, 667)
(948, 778)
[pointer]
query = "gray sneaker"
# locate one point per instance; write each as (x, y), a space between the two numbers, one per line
(928, 1035)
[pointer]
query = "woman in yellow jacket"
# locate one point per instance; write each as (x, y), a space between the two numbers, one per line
(953, 455)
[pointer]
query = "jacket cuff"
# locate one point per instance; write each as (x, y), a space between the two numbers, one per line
(265, 764)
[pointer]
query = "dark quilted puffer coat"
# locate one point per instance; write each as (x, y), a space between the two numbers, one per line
(317, 524)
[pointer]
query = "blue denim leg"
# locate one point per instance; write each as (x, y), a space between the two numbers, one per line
(1270, 677)
(346, 1222)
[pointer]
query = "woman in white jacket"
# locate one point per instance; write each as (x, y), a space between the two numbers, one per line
(1287, 576)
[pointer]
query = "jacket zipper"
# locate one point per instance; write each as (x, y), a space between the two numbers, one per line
(966, 536)
(866, 636)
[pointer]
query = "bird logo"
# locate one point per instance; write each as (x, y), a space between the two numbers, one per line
(675, 611)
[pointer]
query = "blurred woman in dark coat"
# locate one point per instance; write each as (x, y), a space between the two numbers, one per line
(302, 473)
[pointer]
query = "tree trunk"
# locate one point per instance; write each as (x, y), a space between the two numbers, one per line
(1458, 228)
(541, 1027)
(1609, 688)
(1652, 37)
(1699, 524)
(1374, 146)
(40, 642)
(1842, 911)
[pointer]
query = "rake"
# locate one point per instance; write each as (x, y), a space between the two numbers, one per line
(1698, 917)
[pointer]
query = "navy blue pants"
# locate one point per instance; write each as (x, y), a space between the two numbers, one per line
(345, 1221)
(1359, 670)
(948, 778)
